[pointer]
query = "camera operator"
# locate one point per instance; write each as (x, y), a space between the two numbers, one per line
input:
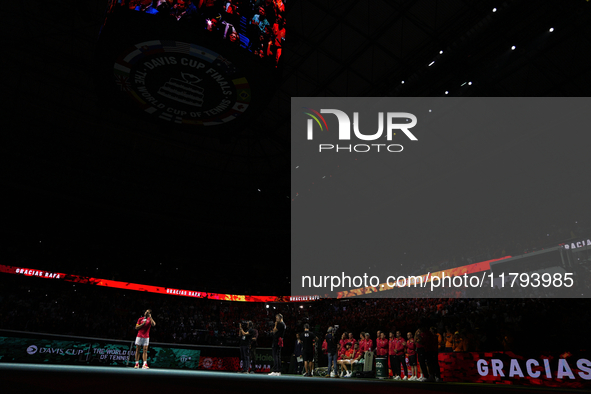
(331, 345)
(245, 339)
(318, 354)
(253, 345)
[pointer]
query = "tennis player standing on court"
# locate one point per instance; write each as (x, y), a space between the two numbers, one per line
(143, 326)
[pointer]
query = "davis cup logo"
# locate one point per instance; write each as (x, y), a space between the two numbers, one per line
(207, 363)
(182, 83)
(405, 122)
(32, 349)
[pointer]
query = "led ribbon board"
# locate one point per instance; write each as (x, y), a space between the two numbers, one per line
(148, 288)
(426, 278)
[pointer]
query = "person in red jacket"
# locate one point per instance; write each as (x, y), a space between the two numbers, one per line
(351, 339)
(382, 346)
(368, 342)
(397, 356)
(343, 340)
(411, 350)
(362, 342)
(378, 336)
(143, 326)
(391, 339)
(340, 352)
(348, 358)
(358, 352)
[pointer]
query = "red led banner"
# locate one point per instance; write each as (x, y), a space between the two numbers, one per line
(151, 289)
(458, 271)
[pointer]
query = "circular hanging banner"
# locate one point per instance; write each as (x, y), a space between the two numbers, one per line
(183, 83)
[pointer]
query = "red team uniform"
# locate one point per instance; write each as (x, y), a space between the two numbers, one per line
(391, 346)
(144, 331)
(399, 347)
(397, 356)
(382, 347)
(411, 348)
(358, 354)
(341, 352)
(362, 345)
(349, 354)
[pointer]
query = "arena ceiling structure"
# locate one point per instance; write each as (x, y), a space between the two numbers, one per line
(76, 167)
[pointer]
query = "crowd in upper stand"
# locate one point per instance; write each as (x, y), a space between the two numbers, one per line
(257, 25)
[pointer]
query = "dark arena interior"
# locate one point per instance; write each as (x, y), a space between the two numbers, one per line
(170, 188)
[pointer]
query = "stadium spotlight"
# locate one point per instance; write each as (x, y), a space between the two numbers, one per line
(446, 92)
(469, 83)
(402, 82)
(513, 48)
(551, 30)
(267, 306)
(441, 52)
(494, 10)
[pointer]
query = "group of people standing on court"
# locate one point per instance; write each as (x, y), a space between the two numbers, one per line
(420, 348)
(248, 342)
